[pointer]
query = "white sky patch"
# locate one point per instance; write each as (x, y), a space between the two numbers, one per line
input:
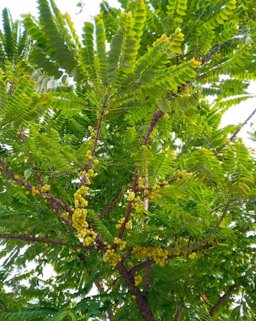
(90, 9)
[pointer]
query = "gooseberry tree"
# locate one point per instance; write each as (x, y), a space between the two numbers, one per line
(114, 169)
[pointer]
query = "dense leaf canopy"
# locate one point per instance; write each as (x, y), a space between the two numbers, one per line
(115, 172)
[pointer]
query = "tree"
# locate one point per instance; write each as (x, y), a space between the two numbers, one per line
(115, 170)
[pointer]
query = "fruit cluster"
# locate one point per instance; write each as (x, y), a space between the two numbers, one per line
(121, 244)
(182, 174)
(130, 197)
(155, 192)
(120, 223)
(34, 191)
(137, 280)
(79, 217)
(141, 183)
(158, 254)
(45, 188)
(112, 257)
(138, 205)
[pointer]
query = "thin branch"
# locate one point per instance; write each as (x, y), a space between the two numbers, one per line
(179, 311)
(223, 299)
(147, 276)
(55, 203)
(129, 207)
(98, 132)
(109, 207)
(242, 125)
(41, 239)
(207, 238)
(141, 266)
(214, 50)
(157, 115)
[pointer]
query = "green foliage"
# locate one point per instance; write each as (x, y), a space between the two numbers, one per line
(115, 172)
(14, 43)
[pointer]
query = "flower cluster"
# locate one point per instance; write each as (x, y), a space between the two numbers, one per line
(112, 257)
(158, 254)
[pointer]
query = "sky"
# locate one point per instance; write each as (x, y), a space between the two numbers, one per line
(235, 115)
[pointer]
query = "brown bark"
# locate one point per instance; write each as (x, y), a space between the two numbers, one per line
(242, 125)
(179, 311)
(97, 137)
(158, 114)
(109, 207)
(41, 239)
(222, 300)
(141, 300)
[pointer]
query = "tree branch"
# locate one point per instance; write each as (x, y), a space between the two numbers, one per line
(179, 311)
(147, 276)
(141, 266)
(157, 115)
(214, 50)
(109, 207)
(141, 300)
(222, 299)
(242, 125)
(55, 203)
(204, 241)
(194, 247)
(98, 132)
(129, 206)
(40, 239)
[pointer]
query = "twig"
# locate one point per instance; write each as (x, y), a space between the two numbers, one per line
(129, 206)
(109, 207)
(41, 239)
(206, 239)
(147, 276)
(157, 115)
(141, 266)
(98, 132)
(242, 125)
